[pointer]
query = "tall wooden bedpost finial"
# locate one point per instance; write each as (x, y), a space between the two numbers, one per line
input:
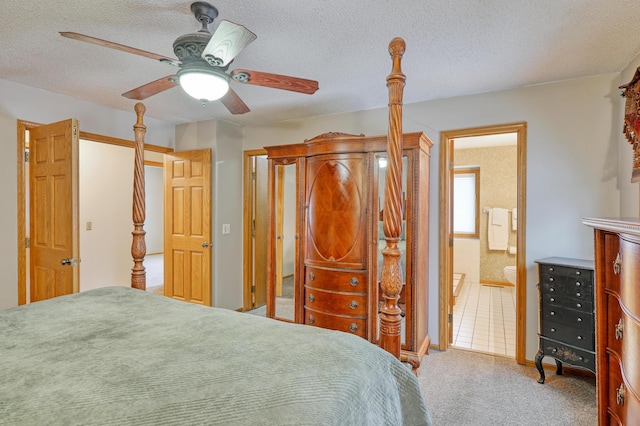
(138, 246)
(391, 280)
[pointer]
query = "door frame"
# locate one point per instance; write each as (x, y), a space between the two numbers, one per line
(247, 244)
(22, 127)
(446, 229)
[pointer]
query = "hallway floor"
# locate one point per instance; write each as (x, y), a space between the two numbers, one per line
(484, 319)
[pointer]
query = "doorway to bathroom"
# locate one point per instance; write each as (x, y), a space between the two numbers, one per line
(482, 307)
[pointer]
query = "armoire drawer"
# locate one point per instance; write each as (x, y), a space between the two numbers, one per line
(570, 355)
(584, 305)
(334, 302)
(354, 325)
(329, 279)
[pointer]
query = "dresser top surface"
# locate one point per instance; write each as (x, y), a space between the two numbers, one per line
(565, 261)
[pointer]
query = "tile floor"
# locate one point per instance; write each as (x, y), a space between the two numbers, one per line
(484, 319)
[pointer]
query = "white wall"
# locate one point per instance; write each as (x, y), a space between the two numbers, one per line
(466, 258)
(105, 200)
(572, 156)
(154, 199)
(26, 103)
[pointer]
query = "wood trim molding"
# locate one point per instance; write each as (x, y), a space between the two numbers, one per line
(446, 233)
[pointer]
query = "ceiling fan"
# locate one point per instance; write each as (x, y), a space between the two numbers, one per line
(203, 61)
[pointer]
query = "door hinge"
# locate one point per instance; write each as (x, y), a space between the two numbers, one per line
(450, 242)
(26, 156)
(253, 228)
(450, 318)
(253, 175)
(27, 242)
(253, 289)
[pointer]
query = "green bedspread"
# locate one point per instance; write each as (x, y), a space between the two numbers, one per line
(118, 356)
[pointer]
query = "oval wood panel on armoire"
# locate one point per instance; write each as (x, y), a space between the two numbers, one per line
(325, 235)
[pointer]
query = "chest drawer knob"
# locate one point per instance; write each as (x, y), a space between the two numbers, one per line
(312, 276)
(580, 358)
(579, 319)
(552, 313)
(354, 281)
(552, 299)
(551, 269)
(551, 289)
(617, 264)
(578, 284)
(579, 305)
(619, 329)
(353, 327)
(551, 279)
(353, 304)
(578, 294)
(311, 319)
(577, 272)
(312, 298)
(620, 394)
(553, 330)
(580, 337)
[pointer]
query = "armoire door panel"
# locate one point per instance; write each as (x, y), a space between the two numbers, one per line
(336, 220)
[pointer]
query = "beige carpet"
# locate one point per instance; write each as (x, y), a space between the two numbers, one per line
(467, 388)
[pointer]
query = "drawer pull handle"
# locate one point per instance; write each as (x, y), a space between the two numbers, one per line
(354, 281)
(577, 272)
(619, 329)
(551, 269)
(552, 313)
(554, 350)
(580, 337)
(579, 305)
(578, 294)
(620, 394)
(578, 283)
(551, 279)
(312, 298)
(553, 330)
(579, 319)
(617, 264)
(581, 358)
(353, 304)
(312, 276)
(311, 319)
(551, 289)
(552, 299)
(353, 327)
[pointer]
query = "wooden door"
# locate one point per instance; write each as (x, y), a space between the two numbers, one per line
(53, 210)
(260, 235)
(187, 265)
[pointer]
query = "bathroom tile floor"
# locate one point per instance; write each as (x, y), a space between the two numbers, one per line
(484, 319)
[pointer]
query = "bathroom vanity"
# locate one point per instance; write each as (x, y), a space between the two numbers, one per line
(567, 322)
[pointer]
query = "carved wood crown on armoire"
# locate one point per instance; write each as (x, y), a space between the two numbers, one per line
(325, 235)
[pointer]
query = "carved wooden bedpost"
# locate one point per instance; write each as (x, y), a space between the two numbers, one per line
(138, 246)
(391, 279)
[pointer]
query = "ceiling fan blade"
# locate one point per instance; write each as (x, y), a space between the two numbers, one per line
(121, 47)
(276, 81)
(150, 89)
(226, 42)
(234, 104)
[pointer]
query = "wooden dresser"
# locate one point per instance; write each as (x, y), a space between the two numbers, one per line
(325, 236)
(567, 324)
(617, 269)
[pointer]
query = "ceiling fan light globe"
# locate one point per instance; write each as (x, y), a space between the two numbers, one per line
(204, 86)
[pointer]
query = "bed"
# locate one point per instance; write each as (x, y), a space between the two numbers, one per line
(122, 356)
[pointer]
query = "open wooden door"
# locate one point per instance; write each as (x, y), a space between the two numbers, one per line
(187, 251)
(53, 210)
(260, 235)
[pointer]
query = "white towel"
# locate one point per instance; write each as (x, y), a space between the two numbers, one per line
(498, 229)
(514, 219)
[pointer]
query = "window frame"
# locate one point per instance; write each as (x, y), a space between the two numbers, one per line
(476, 172)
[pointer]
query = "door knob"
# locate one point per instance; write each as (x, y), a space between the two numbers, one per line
(205, 245)
(69, 261)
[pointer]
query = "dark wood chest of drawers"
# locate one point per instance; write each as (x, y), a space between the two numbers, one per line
(617, 291)
(567, 321)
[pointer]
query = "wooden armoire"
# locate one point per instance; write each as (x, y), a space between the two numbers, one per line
(325, 235)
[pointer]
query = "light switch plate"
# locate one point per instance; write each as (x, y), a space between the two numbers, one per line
(226, 228)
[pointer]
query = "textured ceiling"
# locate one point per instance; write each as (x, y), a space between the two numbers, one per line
(454, 47)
